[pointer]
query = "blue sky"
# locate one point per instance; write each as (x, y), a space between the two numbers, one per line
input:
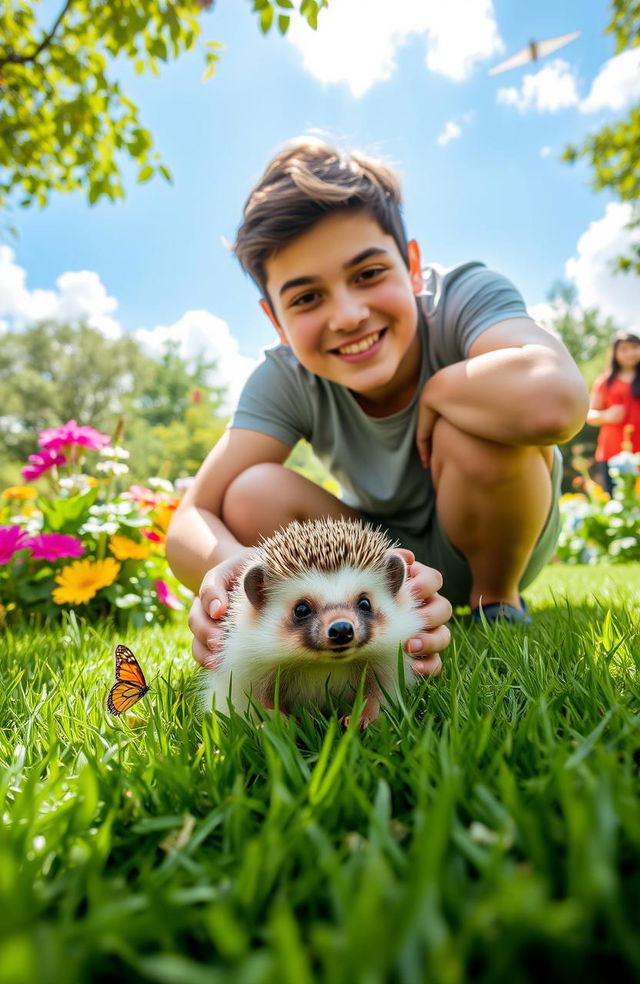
(403, 78)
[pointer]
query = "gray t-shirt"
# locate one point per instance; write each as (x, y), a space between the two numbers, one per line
(375, 458)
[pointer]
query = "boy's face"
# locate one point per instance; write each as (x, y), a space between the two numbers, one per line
(344, 300)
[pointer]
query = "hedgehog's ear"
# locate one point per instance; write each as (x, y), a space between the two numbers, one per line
(255, 585)
(394, 571)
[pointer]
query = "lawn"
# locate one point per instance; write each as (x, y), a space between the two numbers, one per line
(486, 830)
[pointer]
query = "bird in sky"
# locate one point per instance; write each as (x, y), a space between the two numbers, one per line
(534, 51)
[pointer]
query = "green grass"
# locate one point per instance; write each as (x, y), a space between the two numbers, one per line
(488, 830)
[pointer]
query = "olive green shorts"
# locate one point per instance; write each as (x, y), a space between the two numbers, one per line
(435, 549)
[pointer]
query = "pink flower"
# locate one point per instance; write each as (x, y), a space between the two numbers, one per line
(42, 462)
(51, 546)
(166, 596)
(141, 494)
(55, 438)
(12, 539)
(152, 535)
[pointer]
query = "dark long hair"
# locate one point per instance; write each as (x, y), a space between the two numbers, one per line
(614, 366)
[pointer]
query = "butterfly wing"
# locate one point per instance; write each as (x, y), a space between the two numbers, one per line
(122, 696)
(128, 667)
(130, 683)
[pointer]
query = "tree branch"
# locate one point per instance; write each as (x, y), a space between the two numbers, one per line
(12, 59)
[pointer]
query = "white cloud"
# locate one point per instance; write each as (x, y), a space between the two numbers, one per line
(546, 151)
(616, 295)
(616, 85)
(357, 41)
(554, 87)
(451, 132)
(82, 296)
(201, 333)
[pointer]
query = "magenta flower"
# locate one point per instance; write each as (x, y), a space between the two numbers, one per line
(166, 596)
(55, 438)
(51, 546)
(41, 463)
(12, 539)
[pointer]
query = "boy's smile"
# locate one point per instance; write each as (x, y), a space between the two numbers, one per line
(343, 298)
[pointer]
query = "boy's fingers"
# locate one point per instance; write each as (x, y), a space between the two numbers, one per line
(424, 428)
(203, 655)
(425, 581)
(427, 667)
(213, 596)
(428, 643)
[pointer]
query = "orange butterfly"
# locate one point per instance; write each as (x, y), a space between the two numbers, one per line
(130, 683)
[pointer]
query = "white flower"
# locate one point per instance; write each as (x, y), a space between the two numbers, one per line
(75, 483)
(117, 452)
(161, 484)
(112, 468)
(612, 506)
(95, 525)
(625, 463)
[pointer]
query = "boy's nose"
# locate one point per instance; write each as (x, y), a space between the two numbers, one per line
(348, 313)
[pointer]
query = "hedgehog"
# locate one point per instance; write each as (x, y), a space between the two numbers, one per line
(316, 606)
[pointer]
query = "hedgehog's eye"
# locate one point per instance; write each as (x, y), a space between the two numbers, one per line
(364, 605)
(301, 610)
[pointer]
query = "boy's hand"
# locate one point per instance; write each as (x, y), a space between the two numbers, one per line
(425, 648)
(424, 429)
(209, 608)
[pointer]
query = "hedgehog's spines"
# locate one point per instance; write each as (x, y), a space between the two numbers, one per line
(324, 545)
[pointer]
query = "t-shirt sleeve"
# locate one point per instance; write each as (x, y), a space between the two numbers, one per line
(476, 299)
(273, 401)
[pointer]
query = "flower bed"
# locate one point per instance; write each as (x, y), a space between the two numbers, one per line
(87, 542)
(596, 527)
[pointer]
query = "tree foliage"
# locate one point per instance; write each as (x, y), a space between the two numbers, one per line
(65, 123)
(51, 373)
(585, 331)
(614, 151)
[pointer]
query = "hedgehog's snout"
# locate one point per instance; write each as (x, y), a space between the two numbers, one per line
(340, 633)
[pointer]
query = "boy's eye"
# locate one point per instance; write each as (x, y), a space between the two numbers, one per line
(308, 298)
(364, 605)
(302, 610)
(371, 273)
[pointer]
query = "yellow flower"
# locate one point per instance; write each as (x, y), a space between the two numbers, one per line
(162, 514)
(80, 581)
(125, 549)
(20, 492)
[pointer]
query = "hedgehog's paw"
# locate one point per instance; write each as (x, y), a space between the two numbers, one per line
(369, 714)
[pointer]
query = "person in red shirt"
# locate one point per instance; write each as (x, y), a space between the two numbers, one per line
(615, 402)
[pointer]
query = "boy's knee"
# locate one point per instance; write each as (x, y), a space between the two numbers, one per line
(251, 488)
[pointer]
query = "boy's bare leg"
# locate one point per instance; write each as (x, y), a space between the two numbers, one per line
(267, 496)
(493, 501)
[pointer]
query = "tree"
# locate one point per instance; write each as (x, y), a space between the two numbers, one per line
(170, 388)
(65, 123)
(614, 151)
(51, 373)
(585, 332)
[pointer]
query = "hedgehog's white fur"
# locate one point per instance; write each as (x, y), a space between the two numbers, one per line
(259, 642)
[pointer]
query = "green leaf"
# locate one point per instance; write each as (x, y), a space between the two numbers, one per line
(283, 23)
(266, 19)
(145, 173)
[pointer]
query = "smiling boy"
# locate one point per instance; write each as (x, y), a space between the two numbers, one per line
(430, 395)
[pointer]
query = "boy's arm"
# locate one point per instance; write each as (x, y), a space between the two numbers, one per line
(198, 539)
(519, 385)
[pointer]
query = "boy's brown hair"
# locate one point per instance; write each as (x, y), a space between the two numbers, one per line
(304, 182)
